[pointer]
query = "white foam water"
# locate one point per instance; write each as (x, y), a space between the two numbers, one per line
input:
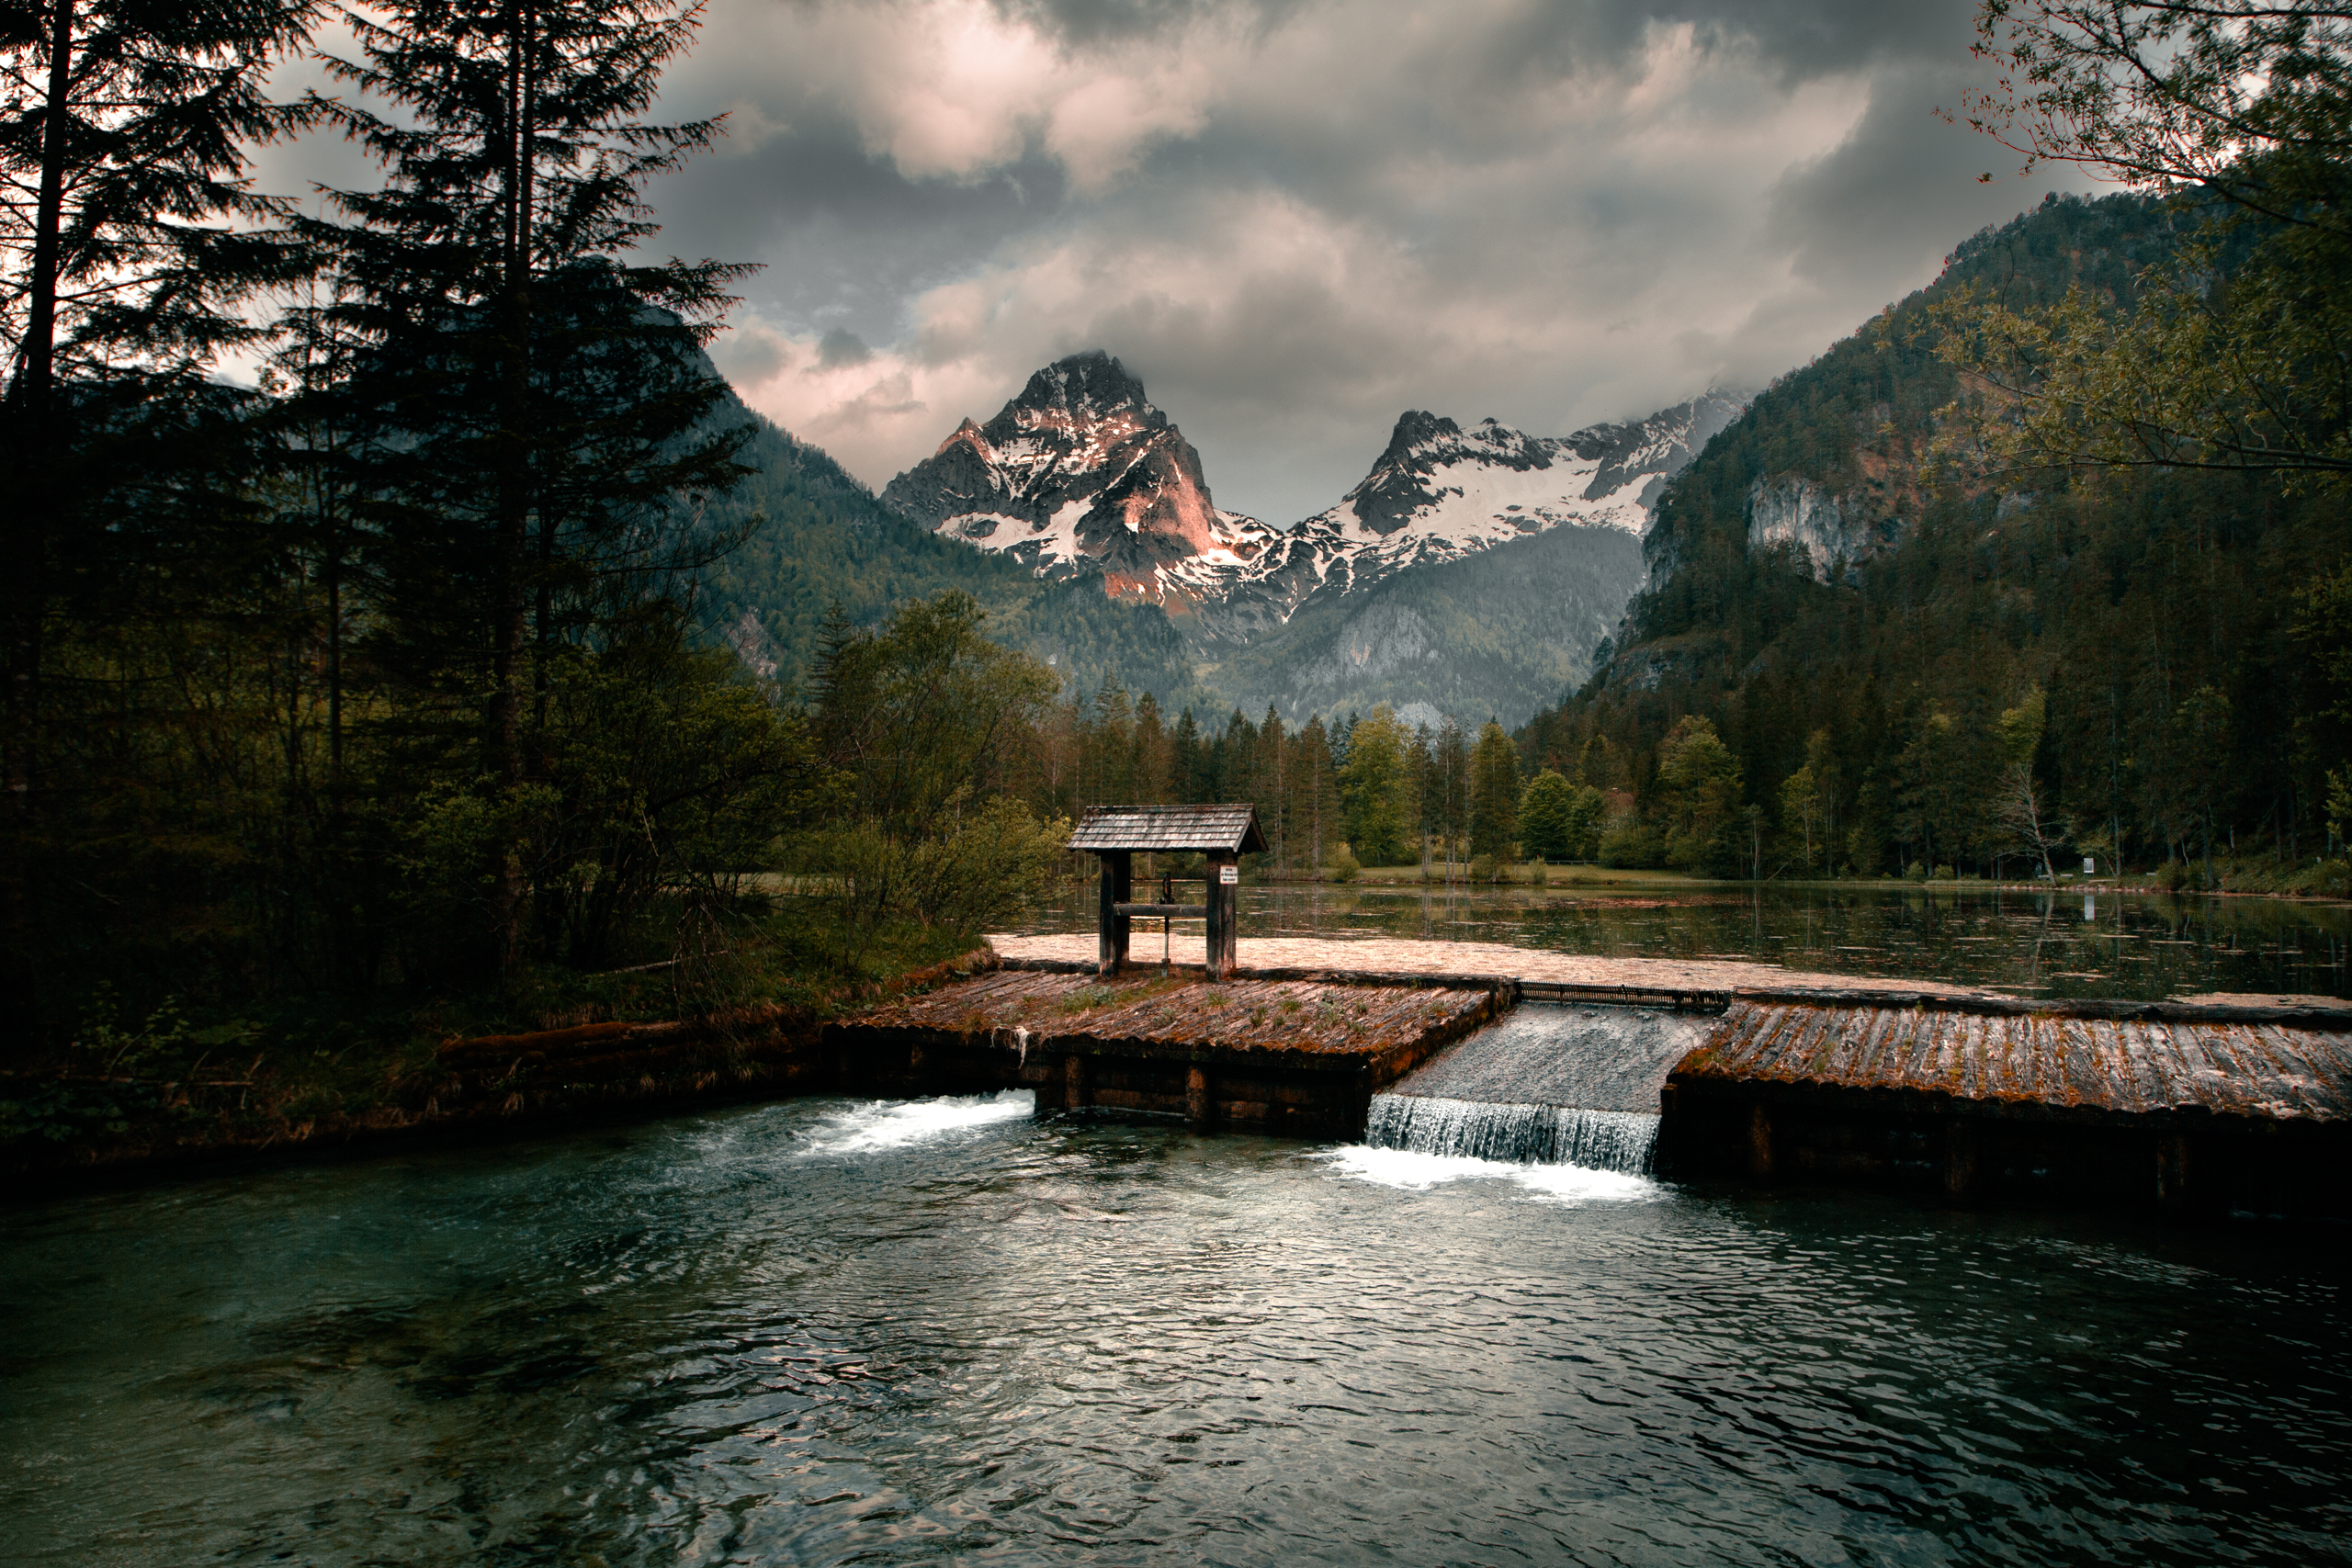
(1415, 1171)
(1619, 1140)
(896, 1123)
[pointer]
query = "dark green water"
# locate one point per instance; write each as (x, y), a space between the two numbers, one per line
(821, 1332)
(2061, 944)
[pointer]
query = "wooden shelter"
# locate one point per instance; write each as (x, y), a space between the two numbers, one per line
(1223, 833)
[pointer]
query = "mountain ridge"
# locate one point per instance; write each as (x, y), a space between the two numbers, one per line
(1081, 479)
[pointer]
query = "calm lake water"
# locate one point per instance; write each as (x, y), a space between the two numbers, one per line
(828, 1331)
(2061, 944)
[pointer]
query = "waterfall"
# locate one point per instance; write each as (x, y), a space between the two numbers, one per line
(1522, 1135)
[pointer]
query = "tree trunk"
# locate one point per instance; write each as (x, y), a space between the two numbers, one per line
(35, 464)
(513, 500)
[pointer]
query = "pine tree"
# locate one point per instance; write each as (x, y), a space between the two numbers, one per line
(1451, 812)
(1546, 812)
(1494, 794)
(127, 246)
(1315, 811)
(535, 406)
(1269, 775)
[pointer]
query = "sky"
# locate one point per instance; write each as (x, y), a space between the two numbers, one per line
(1293, 219)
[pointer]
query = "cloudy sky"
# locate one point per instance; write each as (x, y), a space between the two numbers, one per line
(1295, 220)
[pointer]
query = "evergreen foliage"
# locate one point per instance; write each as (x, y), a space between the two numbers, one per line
(530, 410)
(1505, 630)
(814, 538)
(130, 247)
(1862, 690)
(1494, 795)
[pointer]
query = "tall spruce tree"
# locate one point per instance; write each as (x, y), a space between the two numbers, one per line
(533, 402)
(129, 242)
(1494, 794)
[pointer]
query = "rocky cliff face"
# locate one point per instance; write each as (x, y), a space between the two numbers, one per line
(1079, 475)
(1439, 492)
(1082, 475)
(1801, 513)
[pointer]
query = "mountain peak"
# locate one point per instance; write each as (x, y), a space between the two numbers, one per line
(1077, 473)
(1086, 385)
(1414, 427)
(966, 434)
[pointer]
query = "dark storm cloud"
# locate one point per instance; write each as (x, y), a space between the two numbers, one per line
(1296, 218)
(1081, 23)
(840, 349)
(1804, 38)
(843, 238)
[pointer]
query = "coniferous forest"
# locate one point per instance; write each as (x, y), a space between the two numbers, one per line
(474, 658)
(380, 668)
(408, 632)
(1958, 673)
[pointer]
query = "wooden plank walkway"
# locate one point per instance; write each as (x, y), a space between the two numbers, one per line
(2263, 1058)
(1371, 959)
(1298, 1058)
(1182, 1014)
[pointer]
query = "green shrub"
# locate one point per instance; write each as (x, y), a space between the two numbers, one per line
(1633, 845)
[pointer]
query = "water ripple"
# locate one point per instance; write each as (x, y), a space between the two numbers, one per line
(835, 1332)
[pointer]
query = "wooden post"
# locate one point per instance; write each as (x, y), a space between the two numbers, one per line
(1224, 918)
(2172, 1172)
(1960, 1158)
(1076, 1093)
(1198, 1106)
(1759, 1144)
(1118, 884)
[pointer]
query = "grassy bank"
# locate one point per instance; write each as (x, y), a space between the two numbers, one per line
(173, 1082)
(2255, 875)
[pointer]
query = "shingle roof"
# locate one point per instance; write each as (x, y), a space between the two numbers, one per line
(1169, 827)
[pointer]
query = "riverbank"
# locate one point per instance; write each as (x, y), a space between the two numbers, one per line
(319, 1078)
(2328, 881)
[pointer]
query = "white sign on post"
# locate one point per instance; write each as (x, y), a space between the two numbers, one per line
(2090, 866)
(1229, 874)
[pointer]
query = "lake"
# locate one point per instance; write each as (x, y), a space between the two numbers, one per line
(832, 1332)
(2062, 944)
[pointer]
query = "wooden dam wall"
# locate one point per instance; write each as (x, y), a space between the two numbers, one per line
(2186, 1108)
(2206, 1106)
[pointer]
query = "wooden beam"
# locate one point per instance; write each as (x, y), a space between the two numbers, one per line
(1223, 913)
(1111, 926)
(1199, 1108)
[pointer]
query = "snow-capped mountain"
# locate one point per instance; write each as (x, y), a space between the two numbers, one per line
(1440, 493)
(1079, 474)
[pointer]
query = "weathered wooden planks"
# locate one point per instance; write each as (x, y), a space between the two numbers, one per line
(1288, 1018)
(2129, 1065)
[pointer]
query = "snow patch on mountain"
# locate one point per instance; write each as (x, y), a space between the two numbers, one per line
(1082, 475)
(1079, 474)
(1440, 493)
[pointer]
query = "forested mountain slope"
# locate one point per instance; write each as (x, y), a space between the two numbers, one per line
(817, 537)
(1500, 632)
(1857, 629)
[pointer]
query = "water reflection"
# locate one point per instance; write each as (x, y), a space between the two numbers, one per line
(2125, 945)
(827, 1332)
